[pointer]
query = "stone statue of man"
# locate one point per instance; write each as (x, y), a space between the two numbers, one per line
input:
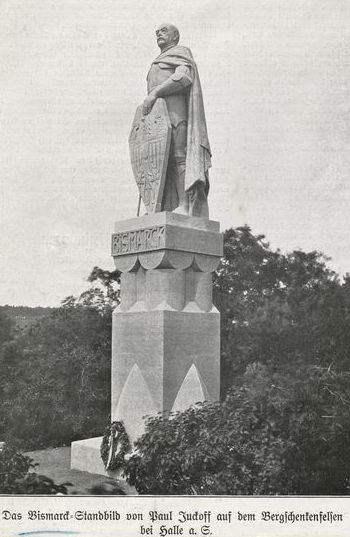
(174, 76)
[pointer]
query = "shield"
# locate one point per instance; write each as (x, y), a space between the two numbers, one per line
(149, 144)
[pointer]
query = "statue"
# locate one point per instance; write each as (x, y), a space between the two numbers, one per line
(167, 328)
(173, 76)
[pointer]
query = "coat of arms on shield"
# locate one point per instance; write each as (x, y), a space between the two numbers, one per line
(149, 144)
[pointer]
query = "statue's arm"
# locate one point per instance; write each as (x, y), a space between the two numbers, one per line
(176, 82)
(180, 79)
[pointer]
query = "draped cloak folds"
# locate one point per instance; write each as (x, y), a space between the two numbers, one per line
(198, 152)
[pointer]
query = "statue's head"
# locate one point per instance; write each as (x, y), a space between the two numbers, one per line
(167, 36)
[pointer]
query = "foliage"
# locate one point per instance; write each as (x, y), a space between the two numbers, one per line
(267, 437)
(104, 297)
(59, 389)
(6, 327)
(107, 488)
(17, 476)
(13, 466)
(34, 483)
(23, 316)
(56, 375)
(287, 311)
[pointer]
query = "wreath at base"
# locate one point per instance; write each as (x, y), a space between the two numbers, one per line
(115, 445)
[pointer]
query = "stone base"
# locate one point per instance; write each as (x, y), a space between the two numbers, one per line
(166, 331)
(163, 360)
(85, 456)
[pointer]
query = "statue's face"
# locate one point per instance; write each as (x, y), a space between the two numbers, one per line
(166, 35)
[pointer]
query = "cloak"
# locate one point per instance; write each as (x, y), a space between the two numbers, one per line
(198, 152)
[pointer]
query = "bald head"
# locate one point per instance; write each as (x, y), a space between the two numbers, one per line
(167, 36)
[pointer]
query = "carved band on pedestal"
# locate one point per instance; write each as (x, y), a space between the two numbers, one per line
(167, 259)
(166, 263)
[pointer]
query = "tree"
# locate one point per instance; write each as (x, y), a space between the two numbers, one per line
(267, 437)
(104, 297)
(6, 328)
(57, 382)
(287, 311)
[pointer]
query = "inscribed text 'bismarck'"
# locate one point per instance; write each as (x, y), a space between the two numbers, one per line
(142, 240)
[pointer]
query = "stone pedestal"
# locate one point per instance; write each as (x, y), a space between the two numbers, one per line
(166, 331)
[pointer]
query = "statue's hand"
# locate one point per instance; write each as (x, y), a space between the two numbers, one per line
(148, 103)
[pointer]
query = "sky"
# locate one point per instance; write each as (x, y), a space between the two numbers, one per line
(275, 79)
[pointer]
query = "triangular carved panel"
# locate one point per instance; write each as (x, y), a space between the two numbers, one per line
(192, 390)
(134, 403)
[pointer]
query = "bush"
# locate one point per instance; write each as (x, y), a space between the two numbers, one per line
(16, 476)
(267, 437)
(34, 483)
(13, 466)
